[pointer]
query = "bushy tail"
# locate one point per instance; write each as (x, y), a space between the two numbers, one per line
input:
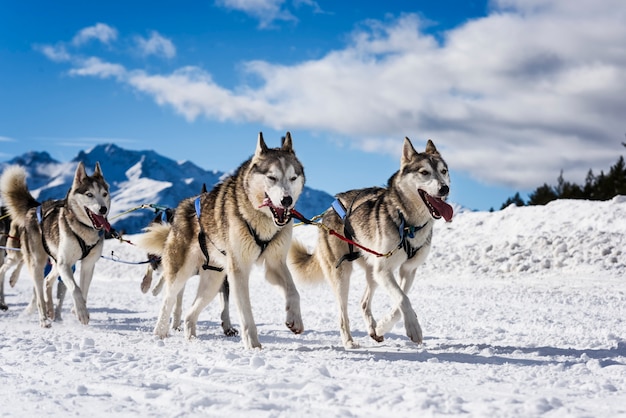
(304, 267)
(153, 240)
(15, 193)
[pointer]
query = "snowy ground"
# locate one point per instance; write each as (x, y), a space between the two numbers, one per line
(523, 312)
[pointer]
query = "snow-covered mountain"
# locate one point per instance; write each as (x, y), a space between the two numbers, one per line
(136, 178)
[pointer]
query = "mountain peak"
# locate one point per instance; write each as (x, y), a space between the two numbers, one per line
(34, 158)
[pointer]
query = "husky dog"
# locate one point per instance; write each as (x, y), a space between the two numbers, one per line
(64, 231)
(9, 241)
(243, 221)
(398, 219)
(165, 217)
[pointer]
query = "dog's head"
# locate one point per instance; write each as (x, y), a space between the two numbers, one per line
(424, 177)
(276, 179)
(89, 198)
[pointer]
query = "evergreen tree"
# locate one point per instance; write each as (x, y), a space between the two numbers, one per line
(517, 200)
(543, 195)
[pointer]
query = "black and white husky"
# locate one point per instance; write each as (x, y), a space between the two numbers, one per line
(62, 231)
(396, 221)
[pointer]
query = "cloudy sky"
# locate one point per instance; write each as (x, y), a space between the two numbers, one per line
(511, 91)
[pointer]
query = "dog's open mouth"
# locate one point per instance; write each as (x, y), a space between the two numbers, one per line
(437, 207)
(281, 215)
(98, 221)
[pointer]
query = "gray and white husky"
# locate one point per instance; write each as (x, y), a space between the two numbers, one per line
(243, 221)
(397, 223)
(64, 231)
(10, 255)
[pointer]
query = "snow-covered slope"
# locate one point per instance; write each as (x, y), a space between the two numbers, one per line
(523, 312)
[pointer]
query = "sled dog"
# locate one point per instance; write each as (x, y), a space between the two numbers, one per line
(398, 219)
(63, 231)
(10, 255)
(242, 221)
(165, 217)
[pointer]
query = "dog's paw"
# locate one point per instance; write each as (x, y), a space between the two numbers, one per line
(230, 331)
(351, 345)
(377, 338)
(145, 284)
(45, 323)
(83, 316)
(4, 307)
(295, 327)
(414, 332)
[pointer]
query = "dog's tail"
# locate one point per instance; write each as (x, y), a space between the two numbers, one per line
(304, 267)
(15, 193)
(153, 240)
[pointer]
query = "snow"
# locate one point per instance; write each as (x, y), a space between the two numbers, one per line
(523, 312)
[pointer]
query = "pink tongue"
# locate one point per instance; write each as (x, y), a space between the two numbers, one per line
(101, 222)
(441, 207)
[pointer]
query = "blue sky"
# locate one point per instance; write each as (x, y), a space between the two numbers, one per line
(511, 91)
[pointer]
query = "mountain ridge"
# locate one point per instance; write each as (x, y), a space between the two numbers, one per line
(135, 178)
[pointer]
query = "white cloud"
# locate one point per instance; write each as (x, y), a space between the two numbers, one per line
(56, 53)
(511, 98)
(6, 139)
(100, 31)
(96, 68)
(266, 11)
(156, 45)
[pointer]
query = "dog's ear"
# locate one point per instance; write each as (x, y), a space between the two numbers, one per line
(287, 143)
(98, 171)
(431, 149)
(80, 173)
(260, 146)
(408, 152)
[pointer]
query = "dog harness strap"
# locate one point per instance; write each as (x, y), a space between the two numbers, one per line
(408, 232)
(348, 232)
(40, 219)
(261, 243)
(202, 239)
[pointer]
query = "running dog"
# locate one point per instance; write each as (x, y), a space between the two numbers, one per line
(398, 219)
(64, 231)
(10, 242)
(164, 217)
(242, 221)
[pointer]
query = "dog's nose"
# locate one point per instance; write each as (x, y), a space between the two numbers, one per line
(103, 210)
(444, 190)
(287, 201)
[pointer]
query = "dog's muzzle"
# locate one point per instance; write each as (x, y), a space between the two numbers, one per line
(281, 214)
(437, 207)
(98, 221)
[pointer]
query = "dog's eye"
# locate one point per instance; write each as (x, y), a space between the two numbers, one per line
(444, 171)
(89, 194)
(105, 194)
(294, 178)
(424, 172)
(272, 179)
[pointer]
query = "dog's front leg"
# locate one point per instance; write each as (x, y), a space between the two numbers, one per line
(392, 317)
(238, 279)
(80, 306)
(385, 278)
(280, 276)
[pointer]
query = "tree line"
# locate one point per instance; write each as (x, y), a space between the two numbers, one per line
(596, 187)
